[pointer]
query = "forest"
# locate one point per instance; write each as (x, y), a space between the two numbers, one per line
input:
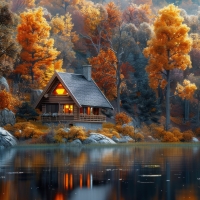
(145, 57)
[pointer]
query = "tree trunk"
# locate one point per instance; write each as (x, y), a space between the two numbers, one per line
(118, 88)
(198, 109)
(186, 110)
(167, 101)
(160, 95)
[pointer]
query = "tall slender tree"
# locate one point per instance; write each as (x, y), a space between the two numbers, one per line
(38, 55)
(167, 50)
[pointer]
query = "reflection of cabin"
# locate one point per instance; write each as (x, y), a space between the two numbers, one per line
(73, 99)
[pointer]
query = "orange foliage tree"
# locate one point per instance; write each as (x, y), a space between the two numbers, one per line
(122, 118)
(167, 50)
(187, 90)
(38, 56)
(104, 72)
(137, 14)
(8, 101)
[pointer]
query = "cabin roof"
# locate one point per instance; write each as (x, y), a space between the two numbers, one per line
(84, 92)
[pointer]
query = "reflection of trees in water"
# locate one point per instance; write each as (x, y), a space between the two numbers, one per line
(55, 172)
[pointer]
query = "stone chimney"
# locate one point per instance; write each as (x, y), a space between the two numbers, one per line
(87, 72)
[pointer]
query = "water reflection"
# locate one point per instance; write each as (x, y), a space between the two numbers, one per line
(117, 173)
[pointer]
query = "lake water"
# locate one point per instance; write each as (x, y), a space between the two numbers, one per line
(100, 173)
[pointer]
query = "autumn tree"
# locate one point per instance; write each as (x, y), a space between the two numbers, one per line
(57, 6)
(38, 56)
(99, 23)
(137, 14)
(104, 72)
(8, 101)
(167, 50)
(64, 37)
(8, 45)
(138, 2)
(20, 5)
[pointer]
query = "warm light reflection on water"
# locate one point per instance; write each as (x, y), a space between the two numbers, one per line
(101, 173)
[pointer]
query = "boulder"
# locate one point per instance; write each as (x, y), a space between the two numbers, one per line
(35, 95)
(127, 138)
(4, 84)
(119, 140)
(89, 141)
(6, 139)
(76, 142)
(101, 139)
(194, 139)
(7, 117)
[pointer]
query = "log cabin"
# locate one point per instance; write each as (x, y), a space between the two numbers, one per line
(73, 99)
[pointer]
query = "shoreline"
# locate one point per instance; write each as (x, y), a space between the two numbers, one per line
(137, 144)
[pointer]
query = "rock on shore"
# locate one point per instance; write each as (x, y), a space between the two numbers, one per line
(6, 139)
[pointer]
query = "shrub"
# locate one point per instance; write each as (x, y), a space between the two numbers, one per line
(139, 137)
(122, 118)
(109, 132)
(169, 137)
(158, 132)
(108, 125)
(125, 130)
(177, 133)
(187, 136)
(26, 130)
(73, 133)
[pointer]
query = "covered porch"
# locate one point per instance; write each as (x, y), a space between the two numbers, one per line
(62, 117)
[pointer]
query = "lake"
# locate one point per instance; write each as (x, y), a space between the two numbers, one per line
(146, 172)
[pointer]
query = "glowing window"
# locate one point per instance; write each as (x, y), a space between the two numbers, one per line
(68, 109)
(60, 90)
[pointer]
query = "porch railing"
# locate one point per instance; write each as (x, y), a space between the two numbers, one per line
(70, 117)
(92, 118)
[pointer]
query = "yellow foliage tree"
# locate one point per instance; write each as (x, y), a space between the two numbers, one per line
(64, 37)
(187, 90)
(167, 50)
(38, 56)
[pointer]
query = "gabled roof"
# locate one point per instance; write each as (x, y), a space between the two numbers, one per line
(84, 92)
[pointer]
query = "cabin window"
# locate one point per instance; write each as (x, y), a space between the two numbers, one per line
(68, 109)
(60, 90)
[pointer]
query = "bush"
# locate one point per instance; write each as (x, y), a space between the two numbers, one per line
(158, 132)
(74, 133)
(177, 133)
(187, 136)
(139, 137)
(109, 132)
(108, 125)
(122, 118)
(169, 137)
(26, 130)
(125, 130)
